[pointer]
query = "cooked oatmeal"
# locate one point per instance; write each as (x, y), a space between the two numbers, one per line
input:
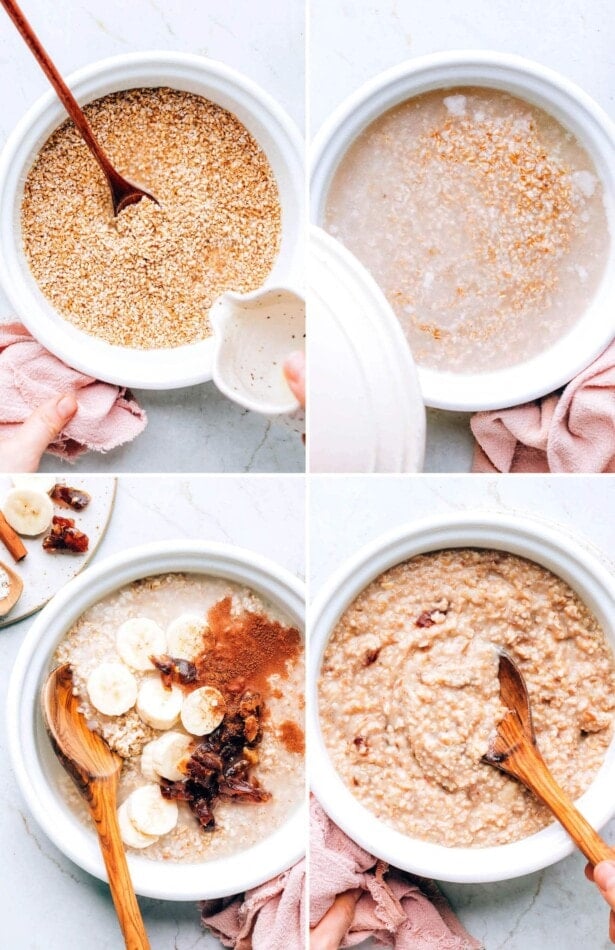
(481, 218)
(148, 277)
(272, 662)
(409, 695)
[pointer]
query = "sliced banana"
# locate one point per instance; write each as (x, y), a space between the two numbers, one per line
(185, 636)
(169, 752)
(28, 511)
(138, 639)
(130, 835)
(147, 761)
(112, 689)
(42, 483)
(203, 711)
(157, 706)
(149, 812)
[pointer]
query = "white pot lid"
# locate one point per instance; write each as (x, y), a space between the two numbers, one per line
(366, 411)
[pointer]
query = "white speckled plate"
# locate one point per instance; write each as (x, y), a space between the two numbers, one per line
(44, 574)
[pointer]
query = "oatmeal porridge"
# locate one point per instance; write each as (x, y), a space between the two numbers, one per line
(481, 218)
(197, 684)
(148, 277)
(409, 693)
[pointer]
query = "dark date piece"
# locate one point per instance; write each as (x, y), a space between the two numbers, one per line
(174, 670)
(68, 497)
(63, 537)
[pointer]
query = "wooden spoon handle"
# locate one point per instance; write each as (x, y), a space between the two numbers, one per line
(64, 94)
(532, 770)
(102, 802)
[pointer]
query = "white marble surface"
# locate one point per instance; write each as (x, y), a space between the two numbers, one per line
(352, 42)
(556, 909)
(193, 429)
(46, 902)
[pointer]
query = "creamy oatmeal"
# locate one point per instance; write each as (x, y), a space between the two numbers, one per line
(409, 695)
(231, 721)
(148, 277)
(481, 218)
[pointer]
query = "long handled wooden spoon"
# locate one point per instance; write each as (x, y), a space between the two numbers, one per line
(95, 770)
(513, 750)
(123, 192)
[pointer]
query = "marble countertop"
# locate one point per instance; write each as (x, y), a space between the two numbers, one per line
(351, 43)
(194, 429)
(47, 902)
(555, 909)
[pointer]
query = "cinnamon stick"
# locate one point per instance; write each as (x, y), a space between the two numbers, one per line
(11, 540)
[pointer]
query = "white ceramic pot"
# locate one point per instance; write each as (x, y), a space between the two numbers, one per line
(366, 411)
(560, 553)
(34, 762)
(576, 111)
(261, 115)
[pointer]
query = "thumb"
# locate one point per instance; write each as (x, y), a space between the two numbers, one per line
(39, 429)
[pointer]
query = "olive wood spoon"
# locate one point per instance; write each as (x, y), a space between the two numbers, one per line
(123, 192)
(513, 750)
(95, 770)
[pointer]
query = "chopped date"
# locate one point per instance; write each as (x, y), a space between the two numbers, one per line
(63, 536)
(174, 670)
(68, 497)
(425, 620)
(219, 768)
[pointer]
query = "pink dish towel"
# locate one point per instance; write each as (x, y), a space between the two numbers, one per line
(569, 432)
(396, 909)
(108, 416)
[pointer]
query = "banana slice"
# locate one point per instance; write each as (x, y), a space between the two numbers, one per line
(112, 689)
(42, 483)
(28, 511)
(138, 639)
(150, 813)
(203, 711)
(130, 835)
(157, 706)
(147, 761)
(185, 636)
(169, 752)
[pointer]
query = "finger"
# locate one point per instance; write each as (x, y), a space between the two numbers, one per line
(294, 371)
(604, 877)
(329, 933)
(22, 453)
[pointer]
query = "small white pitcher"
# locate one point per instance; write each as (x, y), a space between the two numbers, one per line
(254, 334)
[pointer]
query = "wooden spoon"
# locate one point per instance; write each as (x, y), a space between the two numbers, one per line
(123, 193)
(15, 588)
(95, 770)
(513, 750)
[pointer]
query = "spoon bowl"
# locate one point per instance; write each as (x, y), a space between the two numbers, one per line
(95, 770)
(513, 750)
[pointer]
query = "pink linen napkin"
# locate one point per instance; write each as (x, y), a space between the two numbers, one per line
(107, 416)
(396, 909)
(269, 917)
(569, 432)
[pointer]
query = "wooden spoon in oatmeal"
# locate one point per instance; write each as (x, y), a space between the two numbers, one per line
(513, 750)
(123, 192)
(95, 770)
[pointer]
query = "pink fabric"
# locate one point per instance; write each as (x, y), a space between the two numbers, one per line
(269, 917)
(108, 416)
(396, 909)
(569, 432)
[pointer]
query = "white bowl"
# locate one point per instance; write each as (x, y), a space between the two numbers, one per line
(261, 115)
(576, 111)
(34, 761)
(375, 420)
(519, 535)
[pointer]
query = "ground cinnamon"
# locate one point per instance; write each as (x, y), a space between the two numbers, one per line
(11, 540)
(292, 737)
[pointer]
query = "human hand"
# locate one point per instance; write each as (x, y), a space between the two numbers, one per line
(294, 371)
(603, 875)
(330, 931)
(22, 452)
